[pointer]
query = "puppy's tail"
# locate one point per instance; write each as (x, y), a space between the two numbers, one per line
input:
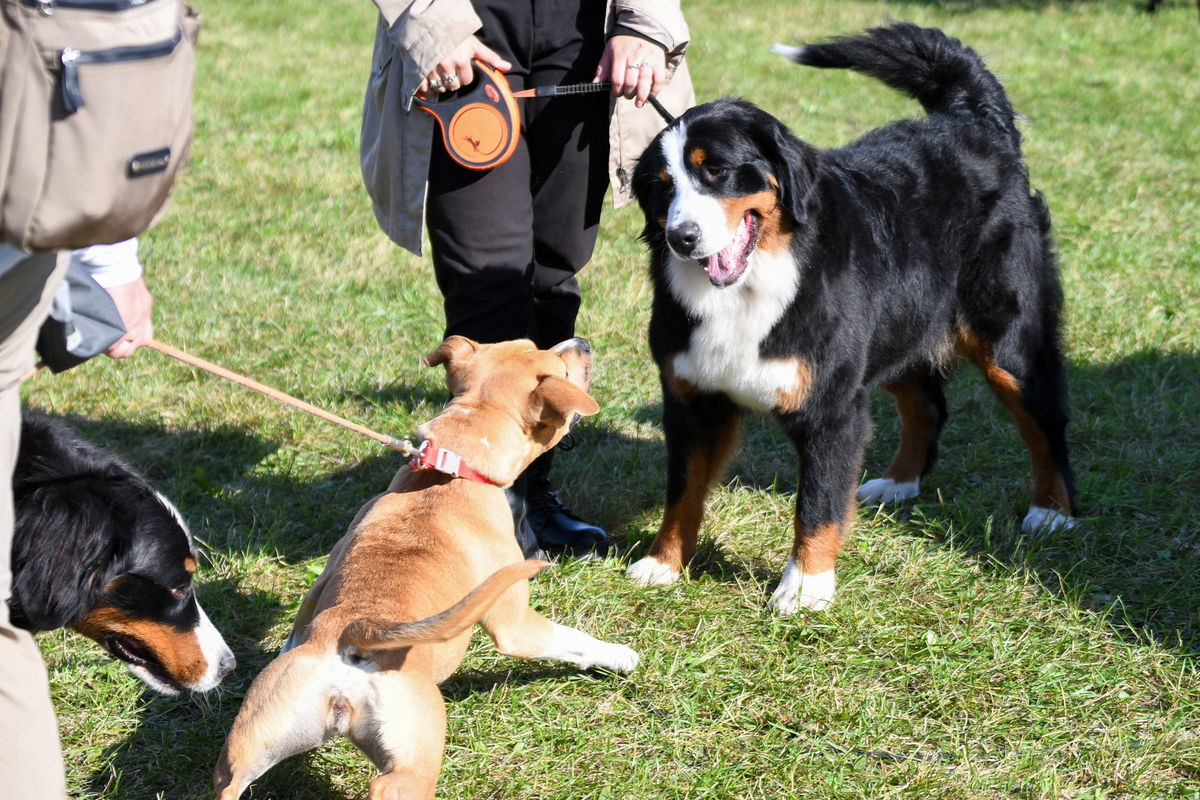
(924, 63)
(371, 634)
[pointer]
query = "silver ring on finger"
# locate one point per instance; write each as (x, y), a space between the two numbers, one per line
(435, 84)
(450, 79)
(636, 66)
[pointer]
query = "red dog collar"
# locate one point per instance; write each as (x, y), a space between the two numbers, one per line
(433, 457)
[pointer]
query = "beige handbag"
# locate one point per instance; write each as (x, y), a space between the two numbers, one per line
(95, 117)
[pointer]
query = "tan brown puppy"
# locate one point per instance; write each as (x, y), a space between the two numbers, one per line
(392, 613)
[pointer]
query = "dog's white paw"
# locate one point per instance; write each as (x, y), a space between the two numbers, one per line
(651, 572)
(584, 651)
(618, 658)
(1046, 519)
(886, 490)
(814, 592)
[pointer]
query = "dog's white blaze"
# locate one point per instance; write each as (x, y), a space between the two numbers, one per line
(1046, 519)
(722, 354)
(215, 651)
(576, 647)
(797, 589)
(886, 490)
(651, 572)
(178, 517)
(690, 204)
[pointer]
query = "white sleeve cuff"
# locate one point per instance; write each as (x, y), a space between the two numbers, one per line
(111, 264)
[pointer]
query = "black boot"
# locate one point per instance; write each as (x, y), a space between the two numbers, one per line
(558, 530)
(525, 536)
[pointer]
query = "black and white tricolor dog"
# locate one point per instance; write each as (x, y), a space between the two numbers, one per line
(98, 550)
(789, 280)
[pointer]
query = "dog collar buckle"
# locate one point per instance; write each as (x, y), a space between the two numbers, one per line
(446, 461)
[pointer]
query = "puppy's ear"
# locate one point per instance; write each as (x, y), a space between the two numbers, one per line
(793, 165)
(560, 400)
(453, 351)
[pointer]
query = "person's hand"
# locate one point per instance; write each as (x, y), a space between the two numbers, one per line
(636, 67)
(133, 302)
(455, 71)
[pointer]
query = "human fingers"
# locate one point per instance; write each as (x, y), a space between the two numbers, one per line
(490, 57)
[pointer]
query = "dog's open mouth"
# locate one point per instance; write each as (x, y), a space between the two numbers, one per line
(724, 268)
(131, 651)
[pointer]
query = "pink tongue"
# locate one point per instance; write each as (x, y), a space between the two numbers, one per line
(728, 263)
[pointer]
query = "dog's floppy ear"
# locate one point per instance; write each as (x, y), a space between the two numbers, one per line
(559, 399)
(793, 165)
(453, 351)
(65, 537)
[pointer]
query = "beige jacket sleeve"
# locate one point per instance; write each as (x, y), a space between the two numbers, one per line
(632, 128)
(424, 32)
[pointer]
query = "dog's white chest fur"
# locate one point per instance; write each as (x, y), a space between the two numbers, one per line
(722, 354)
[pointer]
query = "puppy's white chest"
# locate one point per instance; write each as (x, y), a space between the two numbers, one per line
(722, 354)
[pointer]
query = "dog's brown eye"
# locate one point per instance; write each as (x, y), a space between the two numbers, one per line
(714, 173)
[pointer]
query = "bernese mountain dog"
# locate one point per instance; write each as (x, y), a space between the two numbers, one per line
(98, 550)
(790, 281)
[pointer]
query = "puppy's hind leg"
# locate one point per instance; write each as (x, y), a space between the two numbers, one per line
(285, 712)
(518, 630)
(404, 735)
(922, 409)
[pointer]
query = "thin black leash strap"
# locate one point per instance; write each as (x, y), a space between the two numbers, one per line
(591, 88)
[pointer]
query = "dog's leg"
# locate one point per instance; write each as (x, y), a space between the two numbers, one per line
(1033, 389)
(286, 711)
(701, 435)
(922, 409)
(518, 630)
(830, 450)
(404, 735)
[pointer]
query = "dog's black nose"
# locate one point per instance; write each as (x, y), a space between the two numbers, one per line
(683, 238)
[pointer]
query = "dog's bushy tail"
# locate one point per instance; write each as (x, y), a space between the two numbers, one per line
(371, 634)
(939, 72)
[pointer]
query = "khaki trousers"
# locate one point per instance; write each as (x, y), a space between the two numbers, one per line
(31, 766)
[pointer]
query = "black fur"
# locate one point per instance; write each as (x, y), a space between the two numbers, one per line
(90, 532)
(917, 233)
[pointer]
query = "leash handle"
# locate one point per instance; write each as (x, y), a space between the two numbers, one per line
(389, 442)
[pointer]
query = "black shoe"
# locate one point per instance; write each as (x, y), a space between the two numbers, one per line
(525, 536)
(558, 530)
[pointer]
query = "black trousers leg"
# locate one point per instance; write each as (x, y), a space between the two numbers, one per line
(507, 243)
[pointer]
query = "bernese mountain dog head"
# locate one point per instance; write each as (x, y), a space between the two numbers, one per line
(724, 180)
(98, 550)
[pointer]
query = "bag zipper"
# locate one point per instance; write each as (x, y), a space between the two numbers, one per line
(47, 6)
(71, 58)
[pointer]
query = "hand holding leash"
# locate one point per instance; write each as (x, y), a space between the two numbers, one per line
(455, 70)
(636, 67)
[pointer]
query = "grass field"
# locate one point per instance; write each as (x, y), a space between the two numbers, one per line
(961, 660)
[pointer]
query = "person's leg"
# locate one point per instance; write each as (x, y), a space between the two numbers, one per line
(30, 756)
(568, 147)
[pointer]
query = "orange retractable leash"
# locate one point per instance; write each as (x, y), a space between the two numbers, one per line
(481, 126)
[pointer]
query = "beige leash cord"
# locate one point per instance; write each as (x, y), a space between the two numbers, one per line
(401, 446)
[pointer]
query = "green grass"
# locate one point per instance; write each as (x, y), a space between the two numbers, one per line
(962, 658)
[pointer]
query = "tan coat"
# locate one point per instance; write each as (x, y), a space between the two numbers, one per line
(412, 37)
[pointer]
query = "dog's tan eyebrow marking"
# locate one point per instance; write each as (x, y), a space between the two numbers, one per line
(664, 176)
(189, 564)
(698, 156)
